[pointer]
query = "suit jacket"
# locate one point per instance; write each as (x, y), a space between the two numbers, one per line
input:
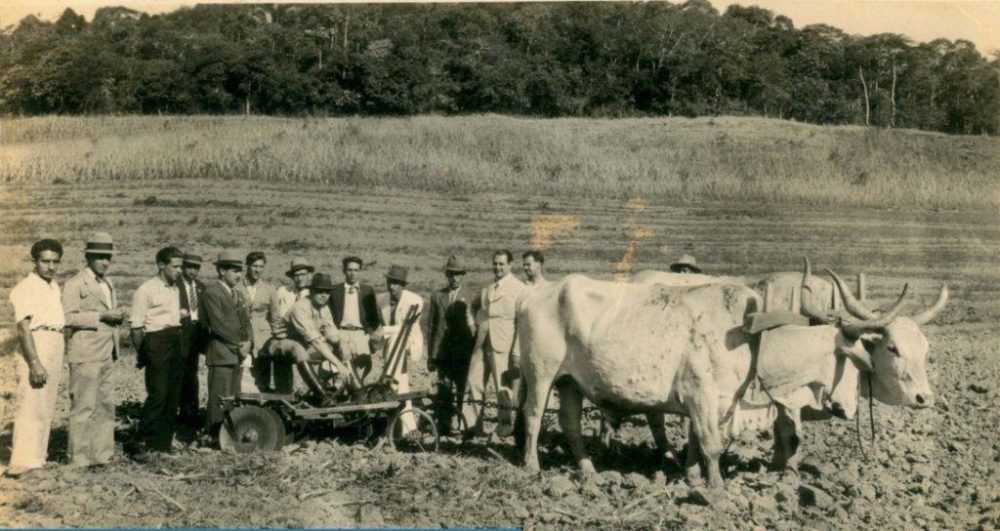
(260, 308)
(415, 343)
(83, 302)
(495, 311)
(452, 328)
(226, 320)
(367, 306)
(193, 337)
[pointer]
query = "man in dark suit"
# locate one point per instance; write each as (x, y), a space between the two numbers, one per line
(226, 317)
(354, 310)
(452, 335)
(191, 291)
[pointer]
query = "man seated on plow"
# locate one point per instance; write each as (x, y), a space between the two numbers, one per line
(310, 326)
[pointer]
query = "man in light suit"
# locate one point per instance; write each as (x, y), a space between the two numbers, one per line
(393, 313)
(258, 293)
(452, 333)
(226, 318)
(90, 302)
(494, 310)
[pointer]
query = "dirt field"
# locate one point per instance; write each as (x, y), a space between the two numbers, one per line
(934, 468)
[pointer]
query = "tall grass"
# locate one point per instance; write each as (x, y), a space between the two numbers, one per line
(664, 159)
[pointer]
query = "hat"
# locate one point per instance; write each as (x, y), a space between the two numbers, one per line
(453, 265)
(297, 264)
(685, 261)
(99, 243)
(230, 259)
(192, 259)
(397, 273)
(321, 282)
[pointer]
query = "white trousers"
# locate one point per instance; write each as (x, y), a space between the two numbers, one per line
(36, 407)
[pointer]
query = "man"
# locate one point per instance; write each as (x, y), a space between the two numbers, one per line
(393, 314)
(190, 290)
(355, 311)
(92, 316)
(310, 325)
(39, 316)
(494, 310)
(685, 264)
(226, 319)
(156, 334)
(280, 352)
(258, 293)
(533, 262)
(452, 339)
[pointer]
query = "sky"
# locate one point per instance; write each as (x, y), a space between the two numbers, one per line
(921, 20)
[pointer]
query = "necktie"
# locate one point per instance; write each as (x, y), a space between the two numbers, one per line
(392, 312)
(185, 305)
(350, 290)
(192, 294)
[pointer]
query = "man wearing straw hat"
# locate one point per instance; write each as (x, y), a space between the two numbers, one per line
(39, 316)
(192, 337)
(685, 264)
(280, 350)
(452, 337)
(92, 317)
(393, 313)
(226, 318)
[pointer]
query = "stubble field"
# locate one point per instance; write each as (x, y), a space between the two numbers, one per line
(933, 468)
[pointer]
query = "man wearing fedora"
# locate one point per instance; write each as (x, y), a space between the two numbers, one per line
(685, 264)
(226, 318)
(393, 313)
(258, 293)
(280, 352)
(452, 337)
(39, 315)
(190, 290)
(355, 310)
(92, 318)
(310, 324)
(156, 334)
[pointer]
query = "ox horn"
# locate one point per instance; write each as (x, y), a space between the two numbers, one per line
(807, 303)
(854, 330)
(852, 305)
(930, 313)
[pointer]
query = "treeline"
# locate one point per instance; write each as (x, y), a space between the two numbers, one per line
(562, 59)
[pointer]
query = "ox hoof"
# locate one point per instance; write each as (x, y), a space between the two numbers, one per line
(586, 467)
(532, 466)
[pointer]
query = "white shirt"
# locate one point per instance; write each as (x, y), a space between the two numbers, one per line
(351, 315)
(105, 288)
(155, 306)
(40, 300)
(192, 291)
(281, 303)
(251, 290)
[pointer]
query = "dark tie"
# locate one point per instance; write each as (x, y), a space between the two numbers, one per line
(185, 303)
(392, 312)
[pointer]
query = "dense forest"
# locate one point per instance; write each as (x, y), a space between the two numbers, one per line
(561, 59)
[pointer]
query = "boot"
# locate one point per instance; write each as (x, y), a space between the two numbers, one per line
(312, 381)
(262, 374)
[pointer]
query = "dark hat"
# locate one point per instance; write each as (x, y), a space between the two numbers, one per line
(229, 259)
(297, 264)
(397, 273)
(453, 265)
(192, 259)
(99, 243)
(321, 282)
(685, 261)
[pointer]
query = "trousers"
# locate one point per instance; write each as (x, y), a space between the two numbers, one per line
(223, 380)
(36, 407)
(91, 414)
(486, 365)
(164, 363)
(191, 346)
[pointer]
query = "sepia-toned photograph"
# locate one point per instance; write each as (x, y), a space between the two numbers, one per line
(692, 264)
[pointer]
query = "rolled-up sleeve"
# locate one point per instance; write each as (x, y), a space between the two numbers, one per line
(301, 320)
(25, 304)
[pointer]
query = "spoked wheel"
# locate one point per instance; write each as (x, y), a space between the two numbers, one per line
(424, 438)
(252, 429)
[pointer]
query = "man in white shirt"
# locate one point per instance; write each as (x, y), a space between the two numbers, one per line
(494, 310)
(354, 310)
(281, 352)
(39, 319)
(392, 314)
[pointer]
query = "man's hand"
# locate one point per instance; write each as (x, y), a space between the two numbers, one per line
(37, 375)
(112, 317)
(244, 349)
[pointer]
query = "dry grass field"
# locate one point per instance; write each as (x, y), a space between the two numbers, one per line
(344, 191)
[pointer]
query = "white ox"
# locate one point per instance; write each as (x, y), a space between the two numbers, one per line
(682, 350)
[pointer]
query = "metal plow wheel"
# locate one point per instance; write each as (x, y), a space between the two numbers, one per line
(422, 439)
(251, 429)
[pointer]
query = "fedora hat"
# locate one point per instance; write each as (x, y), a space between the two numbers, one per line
(99, 243)
(229, 259)
(397, 273)
(192, 259)
(453, 265)
(298, 264)
(321, 282)
(685, 261)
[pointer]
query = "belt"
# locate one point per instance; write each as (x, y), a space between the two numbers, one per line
(165, 329)
(352, 328)
(47, 328)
